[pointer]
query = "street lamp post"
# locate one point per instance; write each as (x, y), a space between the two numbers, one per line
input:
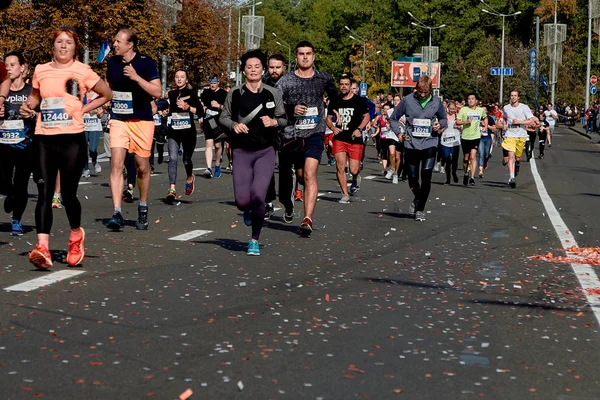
(283, 43)
(498, 14)
(364, 42)
(429, 28)
(238, 79)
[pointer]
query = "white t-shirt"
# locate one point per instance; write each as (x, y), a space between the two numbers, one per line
(551, 117)
(521, 112)
(451, 135)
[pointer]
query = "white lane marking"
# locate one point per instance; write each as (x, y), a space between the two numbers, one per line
(43, 281)
(199, 169)
(85, 183)
(190, 235)
(585, 273)
(276, 209)
(320, 194)
(370, 177)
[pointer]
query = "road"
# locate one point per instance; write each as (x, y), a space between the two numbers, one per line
(372, 305)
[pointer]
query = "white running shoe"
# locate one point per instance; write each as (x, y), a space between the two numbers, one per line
(97, 168)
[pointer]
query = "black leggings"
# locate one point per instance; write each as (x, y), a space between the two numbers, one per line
(15, 168)
(66, 154)
(423, 160)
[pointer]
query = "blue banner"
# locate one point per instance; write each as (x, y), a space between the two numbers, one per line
(532, 64)
(544, 82)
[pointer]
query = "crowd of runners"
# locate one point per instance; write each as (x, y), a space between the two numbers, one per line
(51, 124)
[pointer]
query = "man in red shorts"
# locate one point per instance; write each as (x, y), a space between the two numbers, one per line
(353, 117)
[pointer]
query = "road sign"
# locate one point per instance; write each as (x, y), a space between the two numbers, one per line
(593, 89)
(593, 79)
(496, 71)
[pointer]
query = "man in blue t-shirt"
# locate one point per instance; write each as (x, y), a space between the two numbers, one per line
(135, 82)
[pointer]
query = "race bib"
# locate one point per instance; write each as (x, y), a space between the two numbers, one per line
(53, 113)
(309, 120)
(421, 128)
(515, 127)
(157, 121)
(180, 121)
(92, 123)
(122, 103)
(474, 117)
(484, 132)
(12, 132)
(449, 137)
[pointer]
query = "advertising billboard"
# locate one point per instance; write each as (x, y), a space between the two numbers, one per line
(406, 73)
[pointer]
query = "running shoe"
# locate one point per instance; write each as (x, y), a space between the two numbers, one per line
(481, 174)
(411, 208)
(41, 257)
(217, 171)
(442, 170)
(288, 216)
(403, 178)
(228, 168)
(16, 228)
(389, 174)
(517, 168)
(471, 181)
(344, 200)
(180, 153)
(76, 253)
(56, 202)
(549, 144)
(332, 161)
(420, 216)
(466, 179)
(86, 173)
(253, 248)
(512, 182)
(152, 170)
(8, 204)
(269, 210)
(436, 167)
(128, 195)
(116, 222)
(142, 222)
(455, 177)
(189, 186)
(540, 156)
(248, 217)
(97, 168)
(208, 173)
(395, 179)
(171, 195)
(306, 226)
(355, 187)
(298, 195)
(447, 181)
(485, 166)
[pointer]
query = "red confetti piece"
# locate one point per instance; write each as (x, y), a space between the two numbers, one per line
(186, 394)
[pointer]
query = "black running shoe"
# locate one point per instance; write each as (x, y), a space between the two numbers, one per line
(471, 181)
(142, 222)
(465, 180)
(116, 222)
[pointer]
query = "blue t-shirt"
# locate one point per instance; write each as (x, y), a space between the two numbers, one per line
(130, 101)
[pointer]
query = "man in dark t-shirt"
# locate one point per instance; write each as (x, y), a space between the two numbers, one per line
(134, 80)
(213, 100)
(353, 118)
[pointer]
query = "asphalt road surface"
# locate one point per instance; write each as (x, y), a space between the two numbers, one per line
(467, 304)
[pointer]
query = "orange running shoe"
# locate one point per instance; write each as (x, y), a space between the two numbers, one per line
(298, 196)
(76, 252)
(41, 257)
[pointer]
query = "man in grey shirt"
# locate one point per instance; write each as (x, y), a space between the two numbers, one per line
(425, 121)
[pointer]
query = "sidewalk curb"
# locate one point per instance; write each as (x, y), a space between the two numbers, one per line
(579, 132)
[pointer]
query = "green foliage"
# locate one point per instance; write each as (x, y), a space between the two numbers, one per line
(469, 44)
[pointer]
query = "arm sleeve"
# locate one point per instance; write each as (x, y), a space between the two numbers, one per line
(151, 71)
(280, 114)
(195, 102)
(225, 118)
(441, 113)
